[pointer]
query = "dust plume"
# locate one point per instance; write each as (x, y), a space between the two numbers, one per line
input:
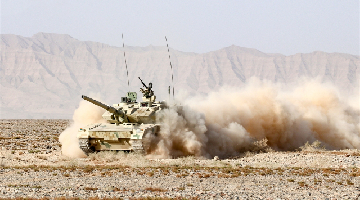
(234, 120)
(87, 113)
(226, 123)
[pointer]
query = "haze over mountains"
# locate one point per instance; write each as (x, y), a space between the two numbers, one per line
(44, 76)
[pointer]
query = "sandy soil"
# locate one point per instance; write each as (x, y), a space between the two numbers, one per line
(31, 165)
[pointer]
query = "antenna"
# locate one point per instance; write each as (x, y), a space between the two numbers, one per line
(169, 93)
(127, 72)
(172, 71)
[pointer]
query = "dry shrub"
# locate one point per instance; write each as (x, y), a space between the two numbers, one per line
(131, 159)
(182, 175)
(261, 146)
(107, 156)
(188, 161)
(73, 163)
(302, 184)
(150, 174)
(152, 189)
(42, 157)
(314, 147)
(88, 169)
(65, 158)
(249, 154)
(165, 198)
(119, 189)
(222, 175)
(90, 188)
(256, 147)
(348, 181)
(138, 160)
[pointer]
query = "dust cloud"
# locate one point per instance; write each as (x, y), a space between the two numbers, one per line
(226, 123)
(87, 113)
(230, 121)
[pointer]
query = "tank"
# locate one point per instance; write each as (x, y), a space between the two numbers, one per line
(128, 122)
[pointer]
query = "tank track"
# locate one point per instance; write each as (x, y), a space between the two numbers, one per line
(85, 146)
(137, 146)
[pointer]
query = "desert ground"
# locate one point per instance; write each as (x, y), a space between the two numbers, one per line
(32, 166)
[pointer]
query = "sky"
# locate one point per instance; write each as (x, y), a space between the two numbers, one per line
(278, 26)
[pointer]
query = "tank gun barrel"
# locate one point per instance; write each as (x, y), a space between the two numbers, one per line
(98, 103)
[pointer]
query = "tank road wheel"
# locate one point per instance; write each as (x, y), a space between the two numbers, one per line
(84, 144)
(138, 146)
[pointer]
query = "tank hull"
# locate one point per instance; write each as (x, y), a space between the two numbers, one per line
(116, 137)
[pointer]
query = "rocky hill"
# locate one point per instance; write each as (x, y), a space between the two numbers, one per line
(44, 76)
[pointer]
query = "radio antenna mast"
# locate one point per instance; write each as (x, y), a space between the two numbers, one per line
(172, 70)
(127, 72)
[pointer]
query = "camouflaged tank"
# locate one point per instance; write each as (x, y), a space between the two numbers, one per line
(128, 124)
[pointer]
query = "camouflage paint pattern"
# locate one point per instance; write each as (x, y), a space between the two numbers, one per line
(128, 123)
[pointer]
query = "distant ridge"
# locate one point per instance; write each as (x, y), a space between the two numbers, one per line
(43, 76)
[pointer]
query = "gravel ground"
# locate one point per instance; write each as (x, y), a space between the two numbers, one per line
(31, 165)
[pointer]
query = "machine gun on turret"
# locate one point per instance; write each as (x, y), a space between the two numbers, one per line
(147, 93)
(144, 83)
(117, 116)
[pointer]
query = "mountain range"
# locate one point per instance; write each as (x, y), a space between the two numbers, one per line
(44, 76)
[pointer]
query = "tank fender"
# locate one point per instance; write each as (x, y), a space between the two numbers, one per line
(140, 132)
